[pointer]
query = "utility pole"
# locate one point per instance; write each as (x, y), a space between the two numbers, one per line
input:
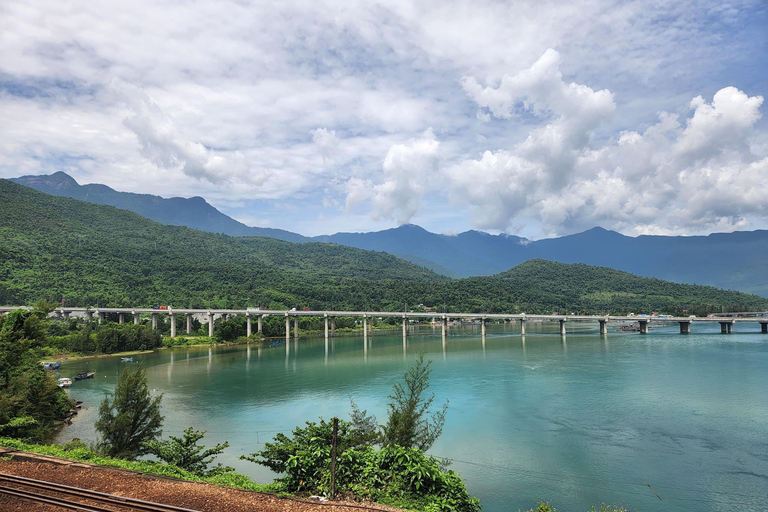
(333, 456)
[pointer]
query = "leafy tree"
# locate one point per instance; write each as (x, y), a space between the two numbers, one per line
(408, 423)
(30, 399)
(131, 419)
(185, 453)
(365, 427)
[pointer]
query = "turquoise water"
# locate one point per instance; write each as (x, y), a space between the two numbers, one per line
(577, 421)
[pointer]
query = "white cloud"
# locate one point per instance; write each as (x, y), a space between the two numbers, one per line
(408, 170)
(225, 94)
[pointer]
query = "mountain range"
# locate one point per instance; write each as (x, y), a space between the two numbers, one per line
(734, 261)
(63, 249)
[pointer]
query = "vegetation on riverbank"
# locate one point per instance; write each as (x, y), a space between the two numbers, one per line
(31, 402)
(53, 250)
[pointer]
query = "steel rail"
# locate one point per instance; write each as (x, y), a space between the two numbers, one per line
(132, 503)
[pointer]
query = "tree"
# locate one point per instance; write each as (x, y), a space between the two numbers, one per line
(408, 423)
(186, 454)
(131, 419)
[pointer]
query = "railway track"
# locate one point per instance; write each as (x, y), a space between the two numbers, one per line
(74, 498)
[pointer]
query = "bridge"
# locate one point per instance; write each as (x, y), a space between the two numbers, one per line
(726, 320)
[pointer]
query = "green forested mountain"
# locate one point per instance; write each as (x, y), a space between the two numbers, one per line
(58, 248)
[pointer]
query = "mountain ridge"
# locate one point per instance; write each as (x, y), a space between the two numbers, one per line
(726, 260)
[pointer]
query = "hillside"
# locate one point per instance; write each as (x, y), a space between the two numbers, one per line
(59, 248)
(733, 261)
(193, 212)
(84, 253)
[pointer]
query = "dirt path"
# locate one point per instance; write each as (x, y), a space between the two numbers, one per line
(197, 496)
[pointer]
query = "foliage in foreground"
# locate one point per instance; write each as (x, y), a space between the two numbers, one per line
(185, 453)
(131, 419)
(78, 451)
(408, 422)
(393, 475)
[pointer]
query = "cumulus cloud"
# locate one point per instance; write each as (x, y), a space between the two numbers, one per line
(407, 171)
(326, 142)
(673, 177)
(163, 143)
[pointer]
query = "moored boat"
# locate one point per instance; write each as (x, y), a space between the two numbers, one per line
(85, 375)
(127, 359)
(65, 382)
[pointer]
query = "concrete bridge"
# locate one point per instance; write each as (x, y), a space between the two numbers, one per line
(726, 320)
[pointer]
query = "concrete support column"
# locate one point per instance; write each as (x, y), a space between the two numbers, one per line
(726, 327)
(287, 328)
(66, 315)
(210, 324)
(259, 325)
(333, 326)
(154, 321)
(562, 327)
(444, 324)
(685, 327)
(172, 316)
(224, 316)
(764, 327)
(248, 324)
(100, 317)
(482, 327)
(89, 315)
(296, 326)
(405, 326)
(121, 318)
(365, 325)
(643, 326)
(189, 323)
(135, 318)
(522, 326)
(603, 327)
(325, 324)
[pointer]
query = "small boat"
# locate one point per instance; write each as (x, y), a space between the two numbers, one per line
(127, 359)
(85, 375)
(49, 365)
(65, 382)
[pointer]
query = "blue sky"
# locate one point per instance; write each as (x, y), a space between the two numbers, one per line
(532, 118)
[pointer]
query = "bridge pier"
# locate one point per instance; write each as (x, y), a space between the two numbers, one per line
(726, 327)
(482, 327)
(405, 326)
(100, 317)
(154, 321)
(764, 327)
(325, 324)
(643, 326)
(189, 323)
(685, 327)
(522, 326)
(562, 326)
(210, 324)
(296, 326)
(603, 327)
(247, 324)
(121, 318)
(135, 318)
(172, 316)
(333, 326)
(444, 325)
(365, 326)
(287, 329)
(259, 324)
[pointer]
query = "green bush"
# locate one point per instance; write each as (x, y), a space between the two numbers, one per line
(394, 475)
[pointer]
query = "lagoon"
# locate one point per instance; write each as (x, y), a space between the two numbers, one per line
(575, 420)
